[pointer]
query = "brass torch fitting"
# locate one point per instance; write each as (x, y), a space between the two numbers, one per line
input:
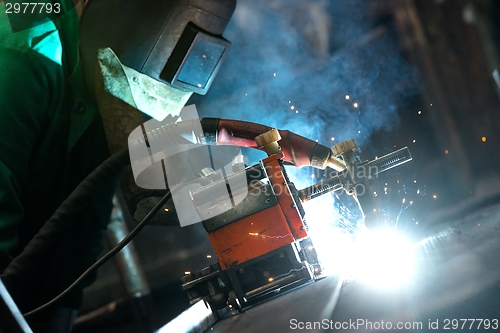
(323, 157)
(268, 141)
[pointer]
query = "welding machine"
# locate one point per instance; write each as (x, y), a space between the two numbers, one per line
(262, 243)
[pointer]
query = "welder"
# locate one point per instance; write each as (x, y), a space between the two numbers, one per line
(52, 134)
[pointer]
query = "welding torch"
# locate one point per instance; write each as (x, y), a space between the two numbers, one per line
(358, 179)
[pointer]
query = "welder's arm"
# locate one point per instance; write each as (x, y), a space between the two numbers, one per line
(297, 150)
(22, 113)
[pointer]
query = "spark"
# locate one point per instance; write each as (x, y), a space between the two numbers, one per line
(333, 138)
(430, 105)
(292, 107)
(292, 270)
(274, 74)
(446, 151)
(316, 140)
(209, 256)
(204, 56)
(355, 105)
(187, 272)
(414, 141)
(270, 279)
(434, 196)
(297, 111)
(416, 222)
(415, 181)
(419, 112)
(401, 210)
(483, 139)
(347, 97)
(266, 236)
(166, 209)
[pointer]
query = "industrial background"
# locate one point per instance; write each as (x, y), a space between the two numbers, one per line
(389, 73)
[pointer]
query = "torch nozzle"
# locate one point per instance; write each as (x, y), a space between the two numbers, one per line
(336, 163)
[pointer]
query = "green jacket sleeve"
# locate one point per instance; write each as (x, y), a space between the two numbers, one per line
(24, 105)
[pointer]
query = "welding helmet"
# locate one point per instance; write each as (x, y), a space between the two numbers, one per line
(173, 41)
(144, 58)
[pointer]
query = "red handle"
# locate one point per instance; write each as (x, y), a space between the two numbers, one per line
(296, 149)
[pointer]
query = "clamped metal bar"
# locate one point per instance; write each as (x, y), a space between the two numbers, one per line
(358, 175)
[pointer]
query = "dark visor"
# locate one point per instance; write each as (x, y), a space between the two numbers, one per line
(195, 60)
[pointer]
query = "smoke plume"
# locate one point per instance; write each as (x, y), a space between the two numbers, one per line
(327, 70)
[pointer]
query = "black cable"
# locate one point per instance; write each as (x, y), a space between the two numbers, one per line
(105, 257)
(25, 264)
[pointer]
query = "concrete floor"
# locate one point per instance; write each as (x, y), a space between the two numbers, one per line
(457, 277)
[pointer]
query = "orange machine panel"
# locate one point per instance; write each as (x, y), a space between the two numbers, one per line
(251, 237)
(285, 198)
